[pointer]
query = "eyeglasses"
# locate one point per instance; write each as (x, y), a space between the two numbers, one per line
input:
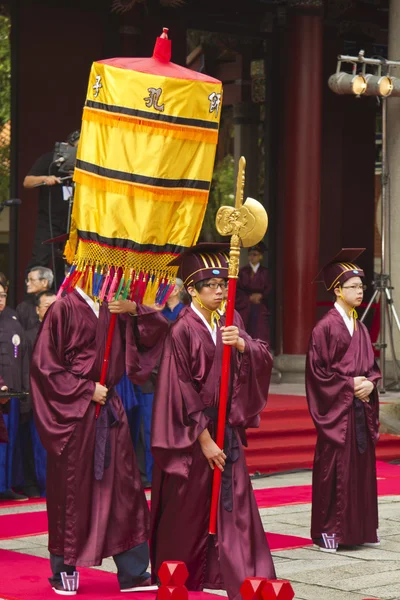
(215, 286)
(31, 280)
(359, 286)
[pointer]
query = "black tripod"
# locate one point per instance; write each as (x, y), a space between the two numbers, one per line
(383, 292)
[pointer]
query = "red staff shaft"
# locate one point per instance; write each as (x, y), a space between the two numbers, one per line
(104, 367)
(223, 403)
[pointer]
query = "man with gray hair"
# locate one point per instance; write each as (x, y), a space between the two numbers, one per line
(39, 279)
(174, 304)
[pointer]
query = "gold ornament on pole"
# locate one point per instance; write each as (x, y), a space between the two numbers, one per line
(246, 224)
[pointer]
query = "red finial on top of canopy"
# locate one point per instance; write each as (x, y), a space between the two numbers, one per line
(162, 48)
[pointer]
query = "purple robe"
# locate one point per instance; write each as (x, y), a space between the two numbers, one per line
(344, 499)
(186, 402)
(255, 316)
(91, 518)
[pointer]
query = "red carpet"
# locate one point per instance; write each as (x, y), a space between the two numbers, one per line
(23, 524)
(296, 494)
(277, 541)
(24, 577)
(286, 438)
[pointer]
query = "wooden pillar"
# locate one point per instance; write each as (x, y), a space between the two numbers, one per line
(302, 165)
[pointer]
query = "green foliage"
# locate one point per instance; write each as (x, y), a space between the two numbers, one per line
(5, 106)
(221, 194)
(5, 70)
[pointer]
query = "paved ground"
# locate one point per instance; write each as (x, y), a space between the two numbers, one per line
(351, 574)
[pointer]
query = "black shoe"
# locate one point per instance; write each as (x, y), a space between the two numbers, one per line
(11, 495)
(31, 491)
(68, 586)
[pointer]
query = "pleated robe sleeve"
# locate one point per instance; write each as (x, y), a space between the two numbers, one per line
(60, 397)
(178, 417)
(329, 393)
(145, 334)
(250, 381)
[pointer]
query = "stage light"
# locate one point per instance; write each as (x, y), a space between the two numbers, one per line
(347, 83)
(378, 85)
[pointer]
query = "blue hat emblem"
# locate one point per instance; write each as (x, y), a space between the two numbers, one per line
(215, 272)
(356, 272)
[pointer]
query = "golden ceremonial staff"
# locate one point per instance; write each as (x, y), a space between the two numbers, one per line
(246, 224)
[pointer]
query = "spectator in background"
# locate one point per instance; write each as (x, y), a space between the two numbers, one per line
(14, 373)
(253, 288)
(39, 279)
(43, 301)
(174, 304)
(32, 453)
(3, 428)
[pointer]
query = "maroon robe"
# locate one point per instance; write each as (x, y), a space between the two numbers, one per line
(344, 499)
(255, 316)
(90, 519)
(3, 428)
(186, 401)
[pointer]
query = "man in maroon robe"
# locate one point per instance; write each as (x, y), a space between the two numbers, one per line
(183, 431)
(253, 287)
(341, 379)
(95, 501)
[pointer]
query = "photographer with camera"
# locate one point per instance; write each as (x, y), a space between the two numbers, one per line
(52, 173)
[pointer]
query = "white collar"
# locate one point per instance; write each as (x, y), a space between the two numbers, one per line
(342, 311)
(213, 332)
(93, 305)
(348, 320)
(255, 267)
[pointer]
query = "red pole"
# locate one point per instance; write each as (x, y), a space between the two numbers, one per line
(223, 402)
(104, 367)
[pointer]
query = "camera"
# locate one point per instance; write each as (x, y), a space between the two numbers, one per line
(65, 157)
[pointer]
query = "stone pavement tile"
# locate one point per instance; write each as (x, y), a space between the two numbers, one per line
(392, 538)
(288, 509)
(281, 559)
(317, 592)
(301, 519)
(389, 544)
(19, 543)
(368, 554)
(386, 592)
(41, 540)
(289, 389)
(311, 553)
(35, 551)
(390, 511)
(285, 528)
(352, 575)
(20, 508)
(307, 571)
(108, 565)
(375, 581)
(388, 527)
(388, 499)
(283, 480)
